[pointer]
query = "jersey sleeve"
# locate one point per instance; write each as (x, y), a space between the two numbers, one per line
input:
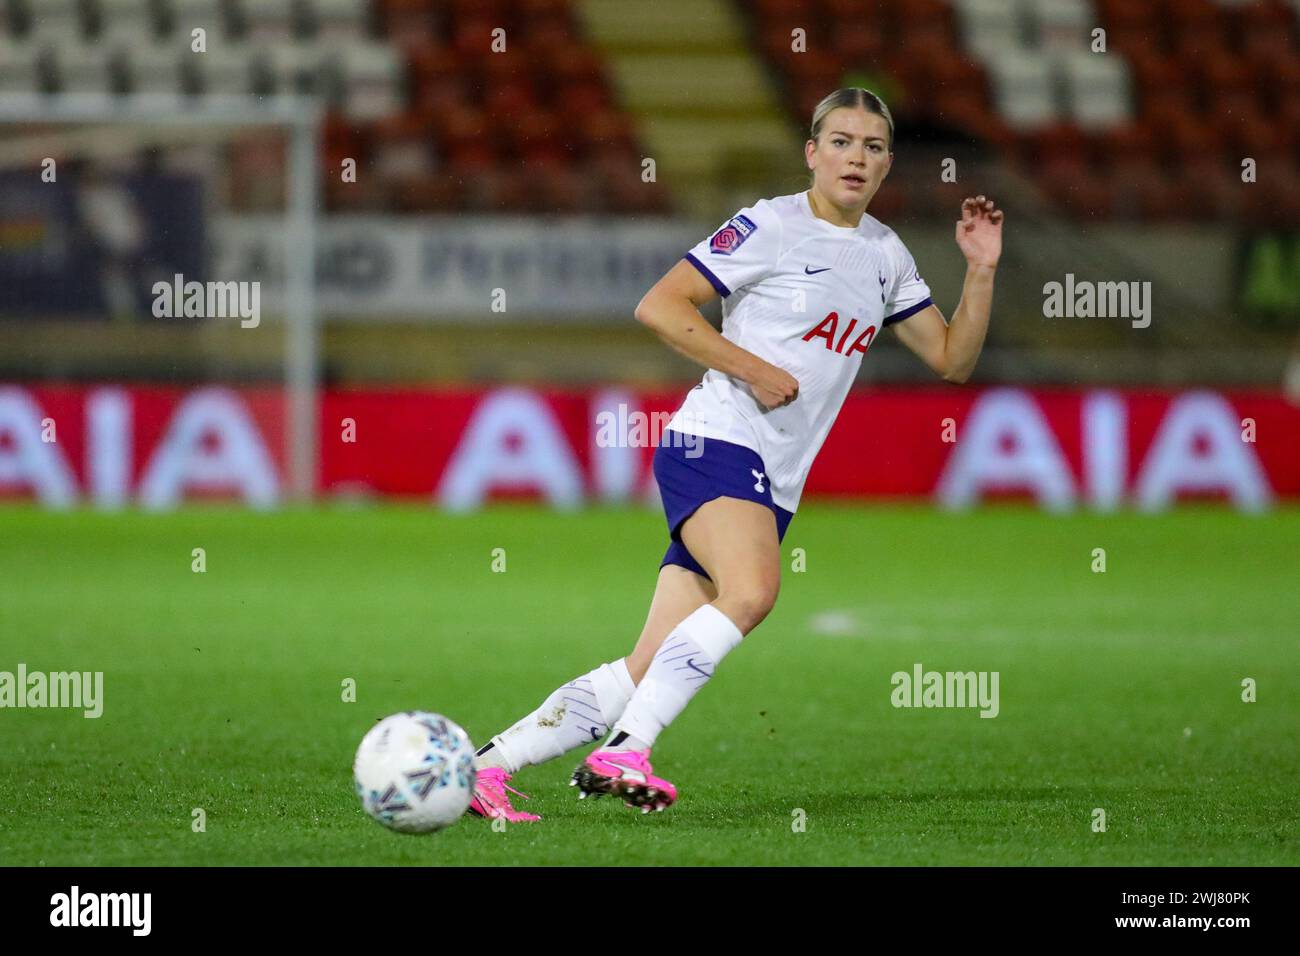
(743, 250)
(910, 293)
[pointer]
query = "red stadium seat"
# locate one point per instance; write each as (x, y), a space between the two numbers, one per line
(411, 24)
(342, 139)
(1127, 17)
(851, 12)
(1183, 136)
(557, 8)
(399, 8)
(1263, 14)
(1243, 126)
(509, 96)
(1163, 106)
(1130, 143)
(461, 128)
(573, 64)
(1224, 74)
(910, 16)
(577, 99)
(1279, 16)
(1287, 119)
(970, 112)
(1074, 186)
(539, 131)
(825, 68)
(1185, 14)
(472, 37)
(769, 10)
(1269, 44)
(471, 158)
(500, 190)
(1056, 145)
(554, 187)
(545, 36)
(1195, 43)
(1279, 81)
(449, 94)
(776, 43)
(500, 12)
(807, 94)
(1217, 189)
(1143, 191)
(604, 128)
(1154, 70)
(953, 71)
(518, 64)
(618, 187)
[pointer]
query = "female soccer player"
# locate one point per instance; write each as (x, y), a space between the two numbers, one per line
(808, 281)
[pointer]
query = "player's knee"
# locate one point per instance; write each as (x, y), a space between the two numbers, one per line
(753, 600)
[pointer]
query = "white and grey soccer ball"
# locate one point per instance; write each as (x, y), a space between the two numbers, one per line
(414, 772)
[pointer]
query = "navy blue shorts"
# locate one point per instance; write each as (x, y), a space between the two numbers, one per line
(708, 468)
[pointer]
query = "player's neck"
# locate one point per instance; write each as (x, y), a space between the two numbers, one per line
(823, 208)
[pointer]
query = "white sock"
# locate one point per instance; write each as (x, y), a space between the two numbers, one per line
(683, 665)
(578, 713)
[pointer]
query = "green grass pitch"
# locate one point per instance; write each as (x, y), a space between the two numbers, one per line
(1119, 690)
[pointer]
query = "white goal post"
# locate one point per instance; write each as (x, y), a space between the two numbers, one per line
(173, 119)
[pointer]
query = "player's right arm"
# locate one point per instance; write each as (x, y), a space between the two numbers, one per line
(743, 251)
(672, 310)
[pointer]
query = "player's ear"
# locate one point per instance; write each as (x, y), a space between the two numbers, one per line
(809, 149)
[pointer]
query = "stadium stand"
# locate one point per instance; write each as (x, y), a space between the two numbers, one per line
(414, 86)
(560, 121)
(1150, 129)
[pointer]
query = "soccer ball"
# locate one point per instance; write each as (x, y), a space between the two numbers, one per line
(414, 772)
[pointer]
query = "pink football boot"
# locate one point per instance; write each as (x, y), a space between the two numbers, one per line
(492, 801)
(624, 773)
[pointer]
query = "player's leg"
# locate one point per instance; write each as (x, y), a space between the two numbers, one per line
(581, 711)
(737, 542)
(679, 593)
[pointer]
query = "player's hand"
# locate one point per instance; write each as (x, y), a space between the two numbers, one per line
(778, 387)
(979, 232)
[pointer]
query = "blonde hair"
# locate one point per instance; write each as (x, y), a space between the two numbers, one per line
(853, 96)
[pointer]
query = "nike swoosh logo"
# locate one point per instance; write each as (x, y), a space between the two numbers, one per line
(690, 662)
(813, 272)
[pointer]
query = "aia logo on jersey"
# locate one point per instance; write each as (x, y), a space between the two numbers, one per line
(729, 238)
(828, 329)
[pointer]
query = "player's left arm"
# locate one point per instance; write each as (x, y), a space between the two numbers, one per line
(952, 348)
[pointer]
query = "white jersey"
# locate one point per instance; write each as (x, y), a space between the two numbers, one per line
(809, 297)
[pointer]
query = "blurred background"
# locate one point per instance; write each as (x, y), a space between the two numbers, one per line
(488, 187)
